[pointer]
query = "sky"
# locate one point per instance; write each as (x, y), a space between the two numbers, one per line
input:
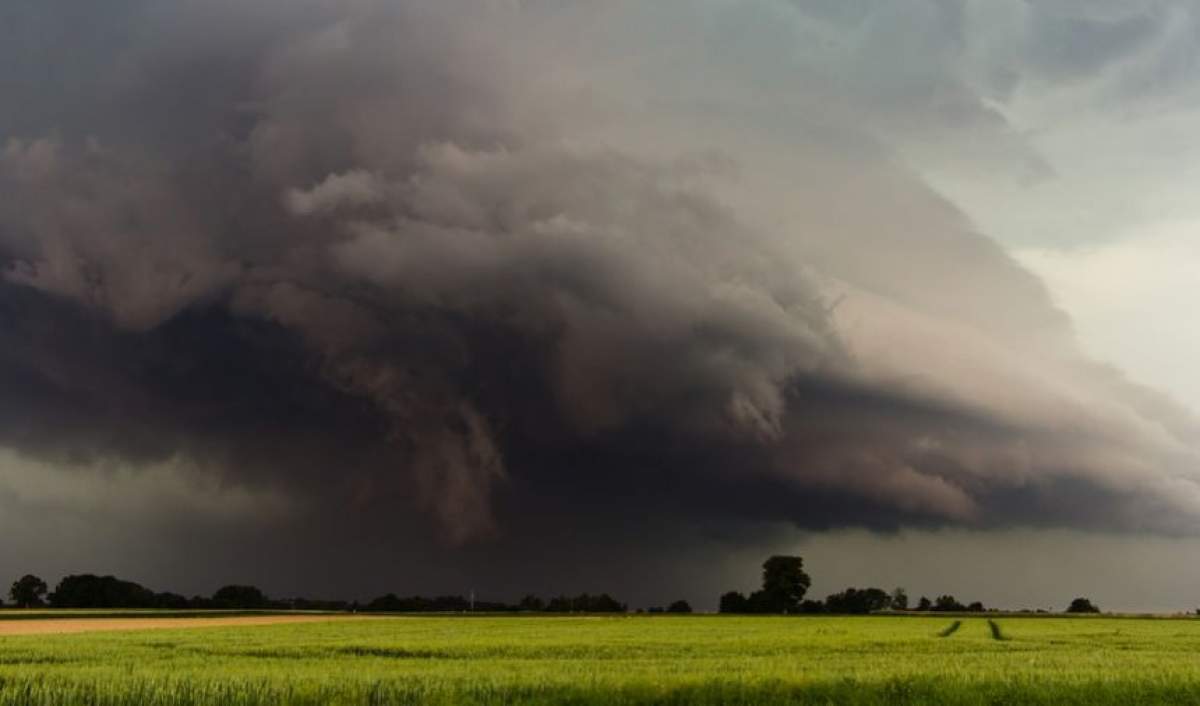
(346, 297)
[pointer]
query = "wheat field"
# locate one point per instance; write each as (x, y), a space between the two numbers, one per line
(614, 659)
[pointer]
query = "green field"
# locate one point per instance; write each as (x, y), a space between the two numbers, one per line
(592, 660)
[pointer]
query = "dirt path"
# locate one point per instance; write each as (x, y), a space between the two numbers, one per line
(72, 625)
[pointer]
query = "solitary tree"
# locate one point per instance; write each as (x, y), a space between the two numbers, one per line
(680, 607)
(924, 604)
(784, 584)
(27, 591)
(899, 599)
(1082, 605)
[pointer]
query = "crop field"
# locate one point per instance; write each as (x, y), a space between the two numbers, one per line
(624, 659)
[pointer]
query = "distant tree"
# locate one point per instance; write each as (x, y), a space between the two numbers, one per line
(27, 591)
(91, 591)
(733, 602)
(924, 605)
(760, 602)
(602, 603)
(444, 604)
(389, 603)
(858, 601)
(680, 606)
(561, 604)
(1082, 605)
(302, 603)
(899, 599)
(240, 598)
(493, 607)
(585, 603)
(784, 584)
(171, 601)
(532, 604)
(975, 607)
(811, 606)
(948, 603)
(200, 602)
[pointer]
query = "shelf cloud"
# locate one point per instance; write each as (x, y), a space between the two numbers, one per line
(572, 273)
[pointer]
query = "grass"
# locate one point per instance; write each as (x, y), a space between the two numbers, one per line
(613, 660)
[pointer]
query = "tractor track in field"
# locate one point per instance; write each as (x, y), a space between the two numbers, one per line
(951, 629)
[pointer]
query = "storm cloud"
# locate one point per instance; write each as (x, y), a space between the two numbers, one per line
(611, 277)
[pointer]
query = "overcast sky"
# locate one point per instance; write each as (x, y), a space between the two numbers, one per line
(354, 296)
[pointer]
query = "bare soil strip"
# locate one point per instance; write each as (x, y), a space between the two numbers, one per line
(73, 625)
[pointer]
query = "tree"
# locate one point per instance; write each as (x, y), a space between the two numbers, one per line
(784, 584)
(924, 605)
(390, 603)
(91, 591)
(680, 607)
(172, 601)
(899, 599)
(585, 603)
(854, 601)
(948, 603)
(759, 602)
(1082, 605)
(975, 607)
(733, 602)
(240, 597)
(532, 604)
(602, 603)
(27, 591)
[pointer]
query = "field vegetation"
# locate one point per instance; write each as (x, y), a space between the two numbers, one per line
(660, 659)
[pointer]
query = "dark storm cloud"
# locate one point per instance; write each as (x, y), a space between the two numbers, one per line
(410, 266)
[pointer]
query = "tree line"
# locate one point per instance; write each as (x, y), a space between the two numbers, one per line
(785, 584)
(91, 591)
(784, 587)
(583, 603)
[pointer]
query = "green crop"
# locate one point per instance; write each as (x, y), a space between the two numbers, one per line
(621, 659)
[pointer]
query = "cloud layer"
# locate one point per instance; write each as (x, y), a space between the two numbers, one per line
(500, 270)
